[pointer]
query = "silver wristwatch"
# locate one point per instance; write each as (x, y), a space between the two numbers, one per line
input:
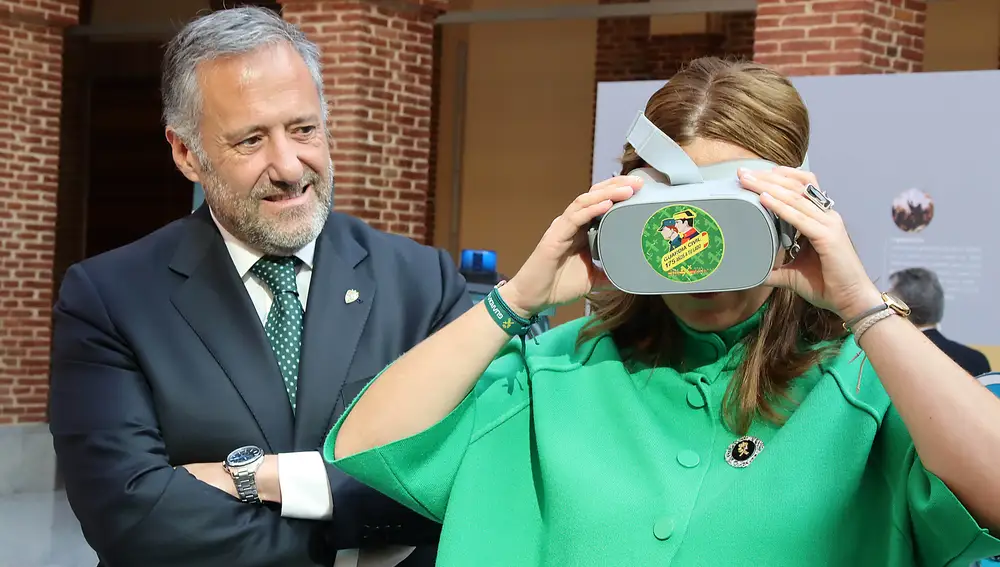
(242, 465)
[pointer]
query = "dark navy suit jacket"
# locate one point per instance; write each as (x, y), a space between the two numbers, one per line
(970, 359)
(159, 360)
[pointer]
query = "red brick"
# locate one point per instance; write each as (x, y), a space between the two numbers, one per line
(843, 36)
(832, 57)
(833, 31)
(840, 6)
(31, 36)
(776, 9)
(378, 68)
(806, 46)
(781, 34)
(805, 21)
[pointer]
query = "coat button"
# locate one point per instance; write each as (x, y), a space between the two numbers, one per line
(695, 399)
(688, 459)
(663, 528)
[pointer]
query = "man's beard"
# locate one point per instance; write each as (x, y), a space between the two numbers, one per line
(281, 235)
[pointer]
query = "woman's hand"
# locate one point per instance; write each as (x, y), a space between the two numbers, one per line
(827, 272)
(560, 269)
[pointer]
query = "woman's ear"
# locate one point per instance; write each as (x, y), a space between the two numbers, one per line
(780, 258)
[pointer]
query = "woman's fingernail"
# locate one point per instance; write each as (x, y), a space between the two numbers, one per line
(746, 174)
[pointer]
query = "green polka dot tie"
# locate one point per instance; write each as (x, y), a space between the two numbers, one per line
(284, 320)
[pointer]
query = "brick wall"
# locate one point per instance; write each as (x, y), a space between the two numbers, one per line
(432, 157)
(621, 48)
(31, 42)
(666, 54)
(626, 51)
(803, 37)
(378, 74)
(739, 31)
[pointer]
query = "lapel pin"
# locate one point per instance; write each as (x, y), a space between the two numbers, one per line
(743, 451)
(351, 296)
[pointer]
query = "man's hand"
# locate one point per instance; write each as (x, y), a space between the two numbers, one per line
(215, 474)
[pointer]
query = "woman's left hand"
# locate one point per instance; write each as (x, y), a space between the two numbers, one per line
(827, 271)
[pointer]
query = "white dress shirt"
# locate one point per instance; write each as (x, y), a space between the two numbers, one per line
(302, 478)
(305, 487)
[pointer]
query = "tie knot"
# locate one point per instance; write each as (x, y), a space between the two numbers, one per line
(278, 272)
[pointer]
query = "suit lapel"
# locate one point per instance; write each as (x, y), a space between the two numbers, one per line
(333, 328)
(215, 304)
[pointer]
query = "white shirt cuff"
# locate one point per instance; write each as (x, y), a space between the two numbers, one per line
(305, 487)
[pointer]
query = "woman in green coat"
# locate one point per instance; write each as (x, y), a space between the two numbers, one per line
(739, 428)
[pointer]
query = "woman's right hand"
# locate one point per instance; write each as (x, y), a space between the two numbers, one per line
(560, 269)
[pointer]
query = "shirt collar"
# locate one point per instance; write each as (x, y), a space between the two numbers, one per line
(728, 337)
(244, 257)
(705, 347)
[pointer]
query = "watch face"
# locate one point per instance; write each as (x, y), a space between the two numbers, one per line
(244, 455)
(898, 304)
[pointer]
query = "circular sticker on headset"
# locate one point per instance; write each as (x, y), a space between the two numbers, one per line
(683, 243)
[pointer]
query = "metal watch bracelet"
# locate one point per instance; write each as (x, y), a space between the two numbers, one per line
(246, 487)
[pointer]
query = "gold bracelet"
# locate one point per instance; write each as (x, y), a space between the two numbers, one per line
(870, 320)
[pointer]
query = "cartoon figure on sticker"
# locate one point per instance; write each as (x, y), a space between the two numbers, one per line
(683, 243)
(679, 228)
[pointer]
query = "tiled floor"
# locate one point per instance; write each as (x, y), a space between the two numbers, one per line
(39, 530)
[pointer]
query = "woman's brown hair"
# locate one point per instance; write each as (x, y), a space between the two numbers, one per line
(756, 108)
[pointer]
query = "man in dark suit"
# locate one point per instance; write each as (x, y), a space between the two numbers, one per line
(196, 372)
(921, 289)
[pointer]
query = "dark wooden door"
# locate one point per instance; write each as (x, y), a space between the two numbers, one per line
(134, 186)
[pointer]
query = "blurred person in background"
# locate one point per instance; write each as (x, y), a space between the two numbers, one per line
(196, 371)
(802, 422)
(921, 289)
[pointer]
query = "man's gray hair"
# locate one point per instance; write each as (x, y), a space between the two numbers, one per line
(921, 289)
(223, 33)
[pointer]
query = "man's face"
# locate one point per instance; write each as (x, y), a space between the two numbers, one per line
(668, 232)
(266, 173)
(683, 225)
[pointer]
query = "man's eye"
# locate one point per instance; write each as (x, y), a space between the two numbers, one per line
(250, 142)
(306, 129)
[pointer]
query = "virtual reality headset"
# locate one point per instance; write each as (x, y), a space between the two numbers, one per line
(689, 229)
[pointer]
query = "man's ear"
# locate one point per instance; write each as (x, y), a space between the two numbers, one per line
(184, 158)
